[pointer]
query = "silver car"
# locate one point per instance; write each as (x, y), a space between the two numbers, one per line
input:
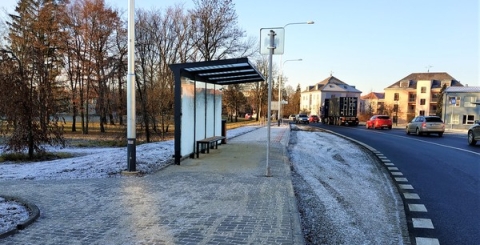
(301, 118)
(426, 125)
(474, 133)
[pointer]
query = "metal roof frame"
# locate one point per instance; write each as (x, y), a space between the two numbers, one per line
(219, 72)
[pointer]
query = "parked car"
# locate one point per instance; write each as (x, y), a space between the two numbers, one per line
(379, 121)
(313, 119)
(474, 133)
(291, 117)
(301, 118)
(248, 116)
(426, 125)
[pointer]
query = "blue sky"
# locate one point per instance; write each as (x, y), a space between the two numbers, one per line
(370, 44)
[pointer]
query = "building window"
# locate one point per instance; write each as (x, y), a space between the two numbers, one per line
(396, 96)
(469, 101)
(454, 119)
(468, 119)
(423, 90)
(422, 113)
(412, 97)
(422, 101)
(454, 101)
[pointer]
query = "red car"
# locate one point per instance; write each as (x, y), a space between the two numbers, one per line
(379, 121)
(313, 119)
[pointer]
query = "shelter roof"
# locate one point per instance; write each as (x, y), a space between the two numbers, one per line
(220, 72)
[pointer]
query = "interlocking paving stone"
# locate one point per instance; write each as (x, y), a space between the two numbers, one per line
(209, 200)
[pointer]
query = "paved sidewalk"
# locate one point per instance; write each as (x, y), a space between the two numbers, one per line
(221, 198)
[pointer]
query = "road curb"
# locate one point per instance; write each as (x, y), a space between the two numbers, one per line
(420, 228)
(34, 213)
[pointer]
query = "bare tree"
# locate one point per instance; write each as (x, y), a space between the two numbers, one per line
(233, 99)
(217, 35)
(102, 21)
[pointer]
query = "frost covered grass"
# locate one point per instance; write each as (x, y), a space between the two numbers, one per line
(343, 195)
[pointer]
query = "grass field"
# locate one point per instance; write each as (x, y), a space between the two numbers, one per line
(115, 136)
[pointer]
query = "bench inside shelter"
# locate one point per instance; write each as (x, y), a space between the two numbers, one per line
(208, 143)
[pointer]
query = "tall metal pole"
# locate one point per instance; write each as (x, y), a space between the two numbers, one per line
(270, 55)
(131, 120)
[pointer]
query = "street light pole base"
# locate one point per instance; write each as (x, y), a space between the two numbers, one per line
(130, 173)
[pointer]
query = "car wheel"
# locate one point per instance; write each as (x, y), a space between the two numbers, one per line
(471, 139)
(390, 127)
(417, 131)
(406, 130)
(366, 125)
(440, 134)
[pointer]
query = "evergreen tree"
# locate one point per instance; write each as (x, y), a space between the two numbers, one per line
(32, 57)
(439, 110)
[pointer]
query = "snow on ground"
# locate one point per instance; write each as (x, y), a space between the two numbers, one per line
(341, 181)
(96, 162)
(336, 183)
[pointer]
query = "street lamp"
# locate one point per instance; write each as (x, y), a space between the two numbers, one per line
(310, 22)
(300, 23)
(131, 117)
(279, 91)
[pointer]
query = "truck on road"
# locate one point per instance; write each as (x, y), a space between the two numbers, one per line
(340, 111)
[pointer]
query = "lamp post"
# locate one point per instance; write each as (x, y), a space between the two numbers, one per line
(280, 91)
(310, 22)
(131, 119)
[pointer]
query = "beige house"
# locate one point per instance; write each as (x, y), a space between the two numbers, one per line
(372, 103)
(416, 94)
(312, 98)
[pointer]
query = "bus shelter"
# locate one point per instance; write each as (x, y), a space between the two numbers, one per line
(198, 99)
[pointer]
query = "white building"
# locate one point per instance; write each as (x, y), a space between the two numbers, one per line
(312, 97)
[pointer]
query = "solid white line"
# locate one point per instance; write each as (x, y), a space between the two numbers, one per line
(446, 146)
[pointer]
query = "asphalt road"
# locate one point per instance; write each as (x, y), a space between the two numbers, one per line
(445, 172)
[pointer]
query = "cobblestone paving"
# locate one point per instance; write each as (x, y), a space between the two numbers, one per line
(221, 198)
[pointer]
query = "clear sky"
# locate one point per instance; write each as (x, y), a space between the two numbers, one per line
(370, 44)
